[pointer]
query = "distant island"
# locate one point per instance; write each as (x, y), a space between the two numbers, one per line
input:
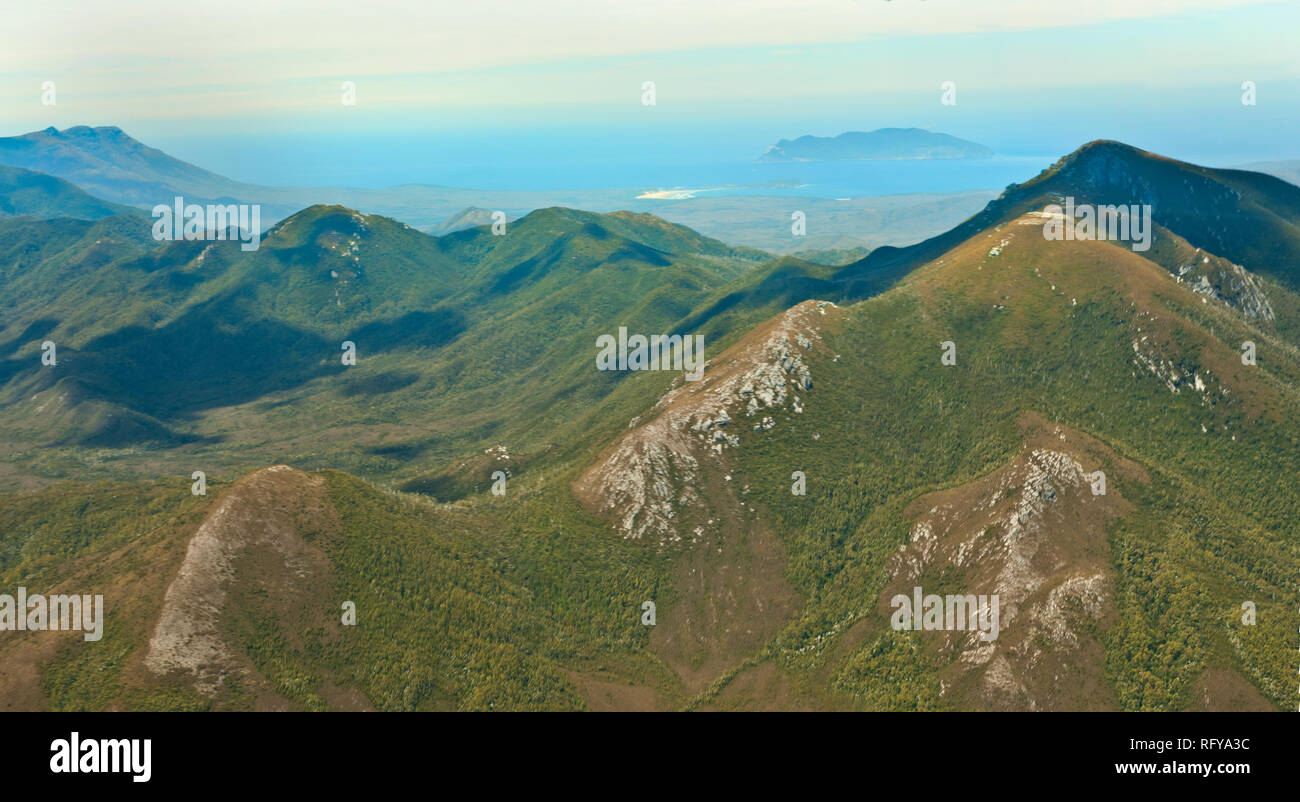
(882, 144)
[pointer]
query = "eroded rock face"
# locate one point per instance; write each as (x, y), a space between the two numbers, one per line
(1033, 533)
(1226, 282)
(654, 472)
(257, 514)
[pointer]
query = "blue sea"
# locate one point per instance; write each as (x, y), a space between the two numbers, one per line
(567, 161)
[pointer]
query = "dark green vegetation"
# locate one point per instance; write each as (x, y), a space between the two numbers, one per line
(1213, 524)
(476, 354)
(460, 339)
(456, 609)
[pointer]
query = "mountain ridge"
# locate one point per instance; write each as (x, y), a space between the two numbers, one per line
(830, 458)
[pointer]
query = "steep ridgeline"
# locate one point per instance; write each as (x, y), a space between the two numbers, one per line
(1250, 219)
(647, 481)
(1064, 426)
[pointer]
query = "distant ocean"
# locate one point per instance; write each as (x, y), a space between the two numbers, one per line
(556, 162)
(735, 177)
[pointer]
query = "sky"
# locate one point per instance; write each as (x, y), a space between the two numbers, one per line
(254, 90)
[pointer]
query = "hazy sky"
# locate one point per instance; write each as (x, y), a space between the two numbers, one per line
(1031, 75)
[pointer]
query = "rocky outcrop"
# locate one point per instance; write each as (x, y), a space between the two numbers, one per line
(256, 517)
(1228, 283)
(646, 479)
(1033, 533)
